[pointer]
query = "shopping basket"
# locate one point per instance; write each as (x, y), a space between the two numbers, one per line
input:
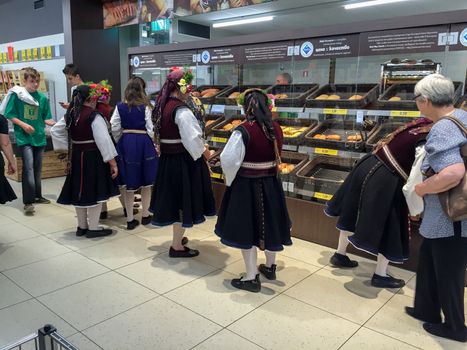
(46, 338)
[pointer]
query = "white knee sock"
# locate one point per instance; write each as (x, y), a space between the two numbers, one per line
(343, 242)
(178, 232)
(129, 201)
(382, 266)
(250, 257)
(270, 258)
(93, 216)
(82, 215)
(104, 206)
(146, 200)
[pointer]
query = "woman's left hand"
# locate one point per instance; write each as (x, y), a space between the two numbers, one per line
(419, 190)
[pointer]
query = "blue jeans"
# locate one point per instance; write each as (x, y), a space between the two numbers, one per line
(32, 171)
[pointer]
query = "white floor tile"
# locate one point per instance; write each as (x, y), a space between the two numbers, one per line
(69, 239)
(81, 342)
(10, 293)
(28, 251)
(227, 340)
(12, 232)
(286, 323)
(308, 252)
(158, 324)
(213, 252)
(163, 236)
(163, 273)
(55, 273)
(45, 225)
(366, 339)
(22, 319)
(96, 299)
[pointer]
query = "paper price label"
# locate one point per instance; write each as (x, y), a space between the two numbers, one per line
(49, 52)
(35, 53)
(335, 111)
(1, 58)
(323, 196)
(29, 54)
(409, 114)
(217, 176)
(219, 139)
(42, 53)
(23, 55)
(217, 109)
(16, 56)
(285, 186)
(327, 151)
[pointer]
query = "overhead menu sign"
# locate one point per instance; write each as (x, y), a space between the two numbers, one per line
(327, 47)
(178, 58)
(220, 55)
(267, 52)
(412, 40)
(146, 60)
(458, 35)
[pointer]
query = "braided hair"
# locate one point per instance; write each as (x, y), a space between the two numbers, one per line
(80, 95)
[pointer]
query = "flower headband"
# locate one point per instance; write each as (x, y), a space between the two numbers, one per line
(185, 82)
(99, 91)
(270, 102)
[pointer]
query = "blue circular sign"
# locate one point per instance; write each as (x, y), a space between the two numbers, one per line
(306, 50)
(463, 37)
(136, 62)
(205, 57)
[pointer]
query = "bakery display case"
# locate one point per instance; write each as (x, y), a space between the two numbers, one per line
(336, 96)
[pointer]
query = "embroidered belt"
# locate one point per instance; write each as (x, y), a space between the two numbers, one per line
(170, 141)
(82, 142)
(394, 163)
(134, 131)
(258, 166)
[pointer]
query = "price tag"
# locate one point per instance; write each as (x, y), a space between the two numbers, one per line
(1, 58)
(15, 56)
(274, 109)
(5, 57)
(409, 114)
(217, 109)
(219, 139)
(359, 117)
(336, 111)
(285, 186)
(304, 149)
(35, 53)
(327, 151)
(49, 52)
(29, 54)
(324, 196)
(216, 176)
(292, 148)
(291, 187)
(42, 52)
(23, 55)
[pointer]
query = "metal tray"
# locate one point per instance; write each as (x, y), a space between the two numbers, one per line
(211, 100)
(217, 120)
(345, 91)
(298, 140)
(297, 159)
(380, 132)
(217, 130)
(297, 94)
(223, 98)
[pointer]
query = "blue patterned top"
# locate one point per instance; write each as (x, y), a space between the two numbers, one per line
(443, 149)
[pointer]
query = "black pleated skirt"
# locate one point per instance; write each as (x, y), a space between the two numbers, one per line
(370, 203)
(89, 182)
(254, 213)
(182, 192)
(6, 192)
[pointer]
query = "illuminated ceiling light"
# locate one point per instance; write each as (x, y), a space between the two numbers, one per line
(243, 21)
(370, 3)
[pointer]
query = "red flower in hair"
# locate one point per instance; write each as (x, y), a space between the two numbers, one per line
(174, 68)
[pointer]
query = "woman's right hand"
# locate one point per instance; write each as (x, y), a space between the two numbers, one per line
(11, 168)
(113, 171)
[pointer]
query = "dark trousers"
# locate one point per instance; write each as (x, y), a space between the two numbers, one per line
(32, 171)
(440, 280)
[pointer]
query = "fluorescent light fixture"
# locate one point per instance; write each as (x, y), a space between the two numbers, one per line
(370, 3)
(243, 21)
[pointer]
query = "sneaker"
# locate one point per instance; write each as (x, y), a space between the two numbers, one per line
(41, 200)
(343, 261)
(146, 220)
(411, 312)
(99, 233)
(386, 282)
(131, 225)
(253, 286)
(268, 272)
(104, 215)
(81, 231)
(28, 209)
(443, 331)
(186, 253)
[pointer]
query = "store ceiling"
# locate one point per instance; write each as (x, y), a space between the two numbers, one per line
(295, 14)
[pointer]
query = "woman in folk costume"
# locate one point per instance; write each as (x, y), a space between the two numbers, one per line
(370, 204)
(92, 168)
(132, 128)
(182, 195)
(253, 213)
(6, 192)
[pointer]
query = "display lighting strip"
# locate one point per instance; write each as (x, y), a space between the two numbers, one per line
(243, 21)
(370, 3)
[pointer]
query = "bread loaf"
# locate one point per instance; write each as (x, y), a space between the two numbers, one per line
(234, 94)
(355, 97)
(322, 97)
(334, 97)
(395, 98)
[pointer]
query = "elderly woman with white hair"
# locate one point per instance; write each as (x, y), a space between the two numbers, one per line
(443, 253)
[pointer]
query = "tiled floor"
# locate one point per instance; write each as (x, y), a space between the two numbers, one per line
(123, 292)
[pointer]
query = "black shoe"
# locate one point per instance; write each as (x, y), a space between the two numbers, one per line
(441, 330)
(132, 224)
(104, 215)
(253, 286)
(340, 260)
(268, 272)
(99, 233)
(386, 282)
(186, 253)
(146, 220)
(41, 200)
(81, 231)
(411, 312)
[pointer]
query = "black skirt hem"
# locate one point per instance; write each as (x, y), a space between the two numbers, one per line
(249, 246)
(91, 204)
(370, 250)
(184, 225)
